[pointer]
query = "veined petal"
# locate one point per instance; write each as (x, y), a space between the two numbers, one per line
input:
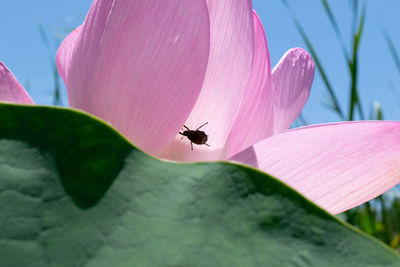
(140, 66)
(254, 120)
(10, 89)
(271, 105)
(228, 70)
(290, 87)
(338, 166)
(64, 53)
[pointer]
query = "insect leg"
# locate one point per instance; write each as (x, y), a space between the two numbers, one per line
(191, 145)
(206, 144)
(202, 125)
(186, 127)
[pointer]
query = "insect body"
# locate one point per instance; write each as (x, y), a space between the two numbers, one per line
(196, 136)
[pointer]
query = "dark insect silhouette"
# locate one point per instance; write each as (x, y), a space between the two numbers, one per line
(195, 136)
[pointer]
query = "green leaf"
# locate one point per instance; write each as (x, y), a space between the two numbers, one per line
(74, 192)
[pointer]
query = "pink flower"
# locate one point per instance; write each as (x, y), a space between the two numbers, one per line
(11, 90)
(150, 67)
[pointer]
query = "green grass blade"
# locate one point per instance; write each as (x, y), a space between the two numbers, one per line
(386, 229)
(335, 27)
(378, 111)
(57, 99)
(353, 67)
(393, 50)
(334, 101)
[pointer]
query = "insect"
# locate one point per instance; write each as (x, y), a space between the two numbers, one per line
(195, 136)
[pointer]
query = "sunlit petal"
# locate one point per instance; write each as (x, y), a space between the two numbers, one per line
(254, 120)
(290, 86)
(140, 66)
(64, 53)
(10, 89)
(338, 166)
(228, 70)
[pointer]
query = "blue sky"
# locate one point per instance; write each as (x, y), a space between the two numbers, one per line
(23, 51)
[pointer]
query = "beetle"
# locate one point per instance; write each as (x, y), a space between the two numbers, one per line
(195, 136)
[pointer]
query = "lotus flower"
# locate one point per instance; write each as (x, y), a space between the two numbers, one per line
(150, 67)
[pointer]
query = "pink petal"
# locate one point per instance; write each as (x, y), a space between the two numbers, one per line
(290, 86)
(338, 166)
(228, 70)
(10, 89)
(64, 53)
(140, 65)
(254, 120)
(272, 103)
